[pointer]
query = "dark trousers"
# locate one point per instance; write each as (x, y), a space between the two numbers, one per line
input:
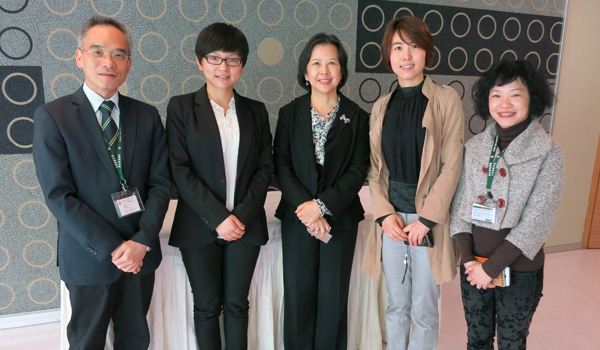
(316, 279)
(509, 309)
(220, 275)
(125, 301)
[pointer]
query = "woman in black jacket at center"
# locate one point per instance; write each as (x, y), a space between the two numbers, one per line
(321, 156)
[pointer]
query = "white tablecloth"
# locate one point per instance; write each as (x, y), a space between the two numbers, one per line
(171, 313)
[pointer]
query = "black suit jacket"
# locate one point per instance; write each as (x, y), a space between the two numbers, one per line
(77, 177)
(344, 170)
(198, 170)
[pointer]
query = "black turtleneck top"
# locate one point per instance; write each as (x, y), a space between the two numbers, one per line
(402, 139)
(492, 244)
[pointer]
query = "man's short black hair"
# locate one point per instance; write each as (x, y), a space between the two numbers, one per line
(541, 96)
(322, 39)
(222, 37)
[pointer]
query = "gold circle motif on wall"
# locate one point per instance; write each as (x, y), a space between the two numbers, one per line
(441, 19)
(144, 56)
(60, 13)
(296, 13)
(294, 89)
(36, 265)
(137, 4)
(439, 56)
(296, 56)
(504, 29)
(161, 78)
(515, 6)
(529, 26)
(232, 22)
(50, 48)
(30, 226)
(2, 218)
(561, 10)
(12, 122)
(14, 173)
(382, 18)
(187, 79)
(265, 22)
(18, 74)
(105, 14)
(181, 47)
(349, 17)
(280, 90)
(479, 27)
(491, 59)
(192, 19)
(60, 76)
(538, 56)
(508, 51)
(41, 280)
(466, 59)
(270, 51)
(487, 2)
(363, 49)
(452, 25)
(547, 67)
(539, 8)
(12, 299)
(552, 30)
(403, 8)
(5, 251)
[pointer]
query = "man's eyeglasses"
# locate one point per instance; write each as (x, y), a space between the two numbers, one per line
(98, 55)
(231, 62)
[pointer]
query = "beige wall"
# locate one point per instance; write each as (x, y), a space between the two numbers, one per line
(577, 116)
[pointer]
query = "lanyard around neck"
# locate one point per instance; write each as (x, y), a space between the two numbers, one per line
(117, 159)
(492, 164)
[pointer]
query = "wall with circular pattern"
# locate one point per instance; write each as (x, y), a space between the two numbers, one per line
(38, 40)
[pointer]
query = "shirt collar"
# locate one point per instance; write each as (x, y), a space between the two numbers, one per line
(96, 100)
(216, 106)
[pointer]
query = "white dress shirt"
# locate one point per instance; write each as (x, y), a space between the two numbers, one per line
(96, 100)
(229, 130)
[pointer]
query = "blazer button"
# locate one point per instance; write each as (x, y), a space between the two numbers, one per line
(502, 172)
(94, 253)
(501, 203)
(222, 180)
(423, 195)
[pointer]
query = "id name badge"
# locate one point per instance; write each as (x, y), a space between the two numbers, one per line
(484, 213)
(127, 202)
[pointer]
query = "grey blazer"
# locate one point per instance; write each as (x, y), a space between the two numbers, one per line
(531, 188)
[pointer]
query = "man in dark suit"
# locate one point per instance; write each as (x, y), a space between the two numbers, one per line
(101, 158)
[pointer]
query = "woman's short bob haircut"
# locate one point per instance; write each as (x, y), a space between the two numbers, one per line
(222, 37)
(541, 96)
(322, 39)
(411, 30)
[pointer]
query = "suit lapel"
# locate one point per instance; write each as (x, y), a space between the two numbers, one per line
(89, 123)
(209, 127)
(245, 122)
(343, 118)
(128, 131)
(303, 119)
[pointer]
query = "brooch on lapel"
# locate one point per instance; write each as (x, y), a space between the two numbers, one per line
(344, 119)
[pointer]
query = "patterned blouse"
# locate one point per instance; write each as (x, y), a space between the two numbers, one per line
(320, 129)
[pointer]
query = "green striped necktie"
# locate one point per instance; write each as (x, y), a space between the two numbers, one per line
(109, 127)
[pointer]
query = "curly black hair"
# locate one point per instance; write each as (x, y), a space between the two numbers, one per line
(322, 39)
(541, 96)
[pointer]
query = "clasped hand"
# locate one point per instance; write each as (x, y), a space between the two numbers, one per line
(310, 215)
(231, 228)
(477, 276)
(394, 228)
(129, 256)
